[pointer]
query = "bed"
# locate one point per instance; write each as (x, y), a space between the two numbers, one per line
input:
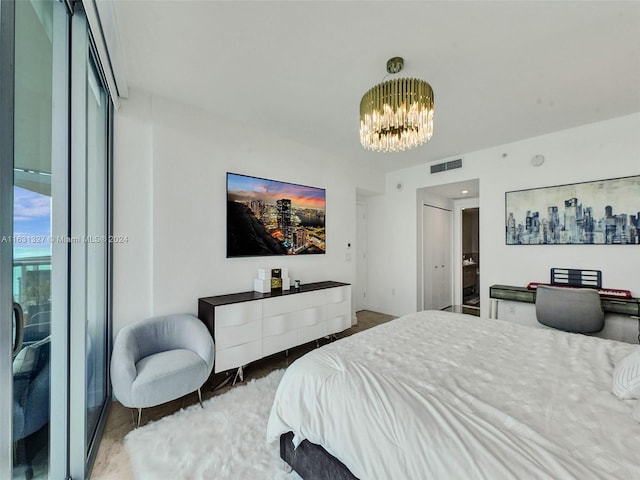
(440, 395)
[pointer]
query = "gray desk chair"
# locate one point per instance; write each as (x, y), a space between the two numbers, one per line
(160, 359)
(576, 310)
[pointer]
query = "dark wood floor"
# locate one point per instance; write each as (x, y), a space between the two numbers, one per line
(468, 309)
(109, 462)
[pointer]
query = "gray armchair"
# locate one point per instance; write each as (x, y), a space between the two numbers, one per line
(160, 359)
(576, 310)
(31, 379)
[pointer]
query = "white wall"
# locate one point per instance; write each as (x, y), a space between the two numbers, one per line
(132, 205)
(593, 152)
(170, 199)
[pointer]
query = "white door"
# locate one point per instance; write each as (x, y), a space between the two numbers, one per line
(361, 257)
(437, 240)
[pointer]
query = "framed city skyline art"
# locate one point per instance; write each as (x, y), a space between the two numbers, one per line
(602, 212)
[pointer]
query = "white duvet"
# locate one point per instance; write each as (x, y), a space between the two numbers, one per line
(438, 395)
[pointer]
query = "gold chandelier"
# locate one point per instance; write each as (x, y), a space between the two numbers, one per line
(397, 114)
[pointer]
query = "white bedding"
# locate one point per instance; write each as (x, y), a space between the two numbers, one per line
(438, 395)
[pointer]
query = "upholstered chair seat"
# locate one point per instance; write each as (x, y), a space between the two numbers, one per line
(160, 359)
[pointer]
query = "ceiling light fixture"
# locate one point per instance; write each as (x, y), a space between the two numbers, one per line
(396, 115)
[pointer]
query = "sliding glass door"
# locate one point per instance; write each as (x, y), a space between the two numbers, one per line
(97, 249)
(32, 174)
(89, 299)
(54, 242)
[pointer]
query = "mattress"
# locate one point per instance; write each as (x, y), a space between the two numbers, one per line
(443, 395)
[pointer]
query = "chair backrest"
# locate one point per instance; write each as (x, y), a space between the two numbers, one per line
(35, 332)
(575, 310)
(31, 387)
(32, 358)
(43, 316)
(167, 332)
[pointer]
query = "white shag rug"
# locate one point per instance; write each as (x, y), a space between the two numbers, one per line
(224, 440)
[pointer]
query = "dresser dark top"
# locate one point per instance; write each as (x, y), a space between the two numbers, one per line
(231, 298)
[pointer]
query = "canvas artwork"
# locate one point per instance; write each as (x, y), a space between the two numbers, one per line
(603, 212)
(269, 217)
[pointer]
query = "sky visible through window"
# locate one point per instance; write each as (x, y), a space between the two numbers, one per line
(31, 223)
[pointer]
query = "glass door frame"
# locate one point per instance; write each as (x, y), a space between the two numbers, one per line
(58, 458)
(7, 82)
(60, 371)
(70, 456)
(81, 455)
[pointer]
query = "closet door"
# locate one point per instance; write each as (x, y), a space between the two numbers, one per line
(437, 241)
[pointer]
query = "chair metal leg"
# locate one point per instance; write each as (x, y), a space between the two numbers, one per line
(200, 398)
(139, 418)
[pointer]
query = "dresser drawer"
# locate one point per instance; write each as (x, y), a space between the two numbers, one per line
(278, 324)
(237, 314)
(236, 335)
(338, 295)
(278, 343)
(311, 316)
(338, 316)
(312, 332)
(280, 305)
(313, 299)
(237, 356)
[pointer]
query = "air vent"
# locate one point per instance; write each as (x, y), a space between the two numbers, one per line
(441, 167)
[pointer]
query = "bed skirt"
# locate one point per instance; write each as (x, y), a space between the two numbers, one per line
(311, 461)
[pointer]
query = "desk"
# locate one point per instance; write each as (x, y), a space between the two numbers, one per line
(624, 306)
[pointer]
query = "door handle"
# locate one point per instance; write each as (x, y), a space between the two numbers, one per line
(18, 316)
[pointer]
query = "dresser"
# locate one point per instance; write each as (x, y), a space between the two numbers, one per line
(248, 326)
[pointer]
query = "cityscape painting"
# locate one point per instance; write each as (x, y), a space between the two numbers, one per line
(268, 217)
(603, 212)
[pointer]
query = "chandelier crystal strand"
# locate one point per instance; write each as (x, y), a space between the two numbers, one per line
(396, 115)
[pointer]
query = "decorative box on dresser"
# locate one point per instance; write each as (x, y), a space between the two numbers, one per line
(251, 325)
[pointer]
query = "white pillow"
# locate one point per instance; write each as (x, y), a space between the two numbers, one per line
(626, 377)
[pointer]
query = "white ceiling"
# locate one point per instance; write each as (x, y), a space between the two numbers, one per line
(501, 71)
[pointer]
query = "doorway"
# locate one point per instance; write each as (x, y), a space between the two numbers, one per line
(471, 260)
